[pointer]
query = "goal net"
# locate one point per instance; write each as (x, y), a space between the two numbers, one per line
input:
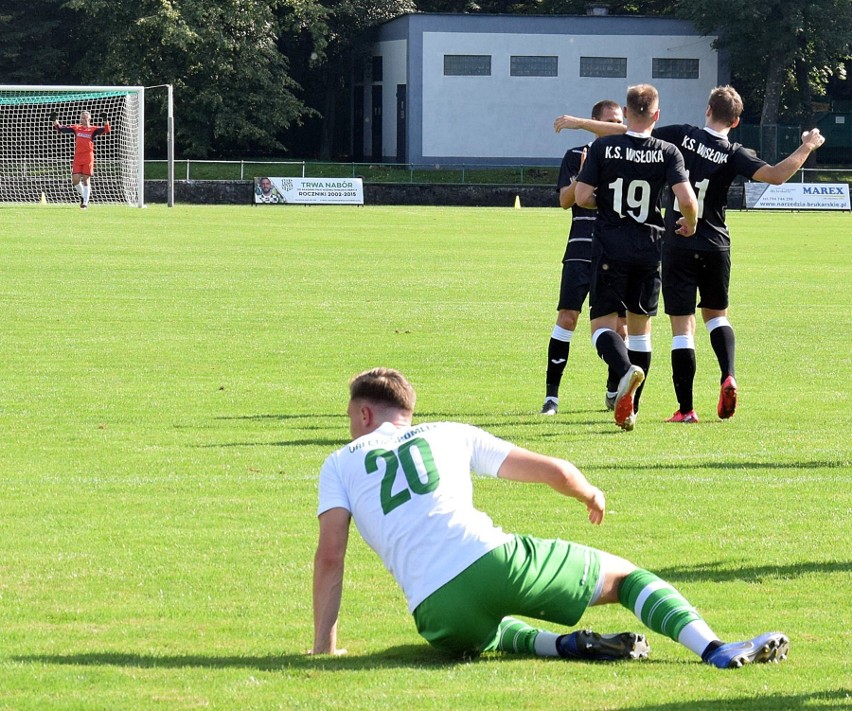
(35, 160)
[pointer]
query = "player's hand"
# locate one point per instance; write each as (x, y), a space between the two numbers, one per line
(813, 138)
(104, 118)
(596, 506)
(54, 116)
(686, 228)
(567, 121)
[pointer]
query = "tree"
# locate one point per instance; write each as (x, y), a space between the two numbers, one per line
(347, 26)
(233, 91)
(34, 45)
(794, 45)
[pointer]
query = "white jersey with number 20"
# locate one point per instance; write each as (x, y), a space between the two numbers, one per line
(410, 493)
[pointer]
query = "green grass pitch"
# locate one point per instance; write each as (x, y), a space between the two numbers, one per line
(172, 379)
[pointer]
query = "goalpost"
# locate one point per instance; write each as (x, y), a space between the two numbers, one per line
(35, 160)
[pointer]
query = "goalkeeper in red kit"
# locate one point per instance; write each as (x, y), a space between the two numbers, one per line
(83, 166)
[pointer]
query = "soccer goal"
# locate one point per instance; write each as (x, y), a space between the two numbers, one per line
(35, 160)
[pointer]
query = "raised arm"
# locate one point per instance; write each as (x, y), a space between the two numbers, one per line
(783, 171)
(599, 128)
(328, 579)
(559, 474)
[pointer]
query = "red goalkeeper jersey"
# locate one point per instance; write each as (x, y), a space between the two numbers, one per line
(84, 139)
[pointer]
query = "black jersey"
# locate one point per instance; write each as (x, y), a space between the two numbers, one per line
(713, 164)
(579, 247)
(629, 173)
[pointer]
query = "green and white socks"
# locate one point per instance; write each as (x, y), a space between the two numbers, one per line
(655, 602)
(664, 610)
(518, 637)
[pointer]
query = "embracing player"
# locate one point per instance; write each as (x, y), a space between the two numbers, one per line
(576, 269)
(629, 172)
(702, 266)
(83, 167)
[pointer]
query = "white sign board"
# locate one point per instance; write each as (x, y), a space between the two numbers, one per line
(797, 196)
(308, 191)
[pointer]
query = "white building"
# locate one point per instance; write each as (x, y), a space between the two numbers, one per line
(485, 89)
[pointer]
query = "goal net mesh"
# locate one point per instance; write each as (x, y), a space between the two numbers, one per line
(35, 160)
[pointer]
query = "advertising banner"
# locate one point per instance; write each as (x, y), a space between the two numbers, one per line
(308, 191)
(797, 196)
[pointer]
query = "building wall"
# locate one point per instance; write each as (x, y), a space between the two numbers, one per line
(395, 72)
(504, 119)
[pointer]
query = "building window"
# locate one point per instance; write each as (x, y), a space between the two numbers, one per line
(611, 67)
(467, 65)
(674, 68)
(377, 68)
(534, 66)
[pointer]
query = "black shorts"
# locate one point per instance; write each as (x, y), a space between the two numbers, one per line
(624, 285)
(576, 280)
(687, 272)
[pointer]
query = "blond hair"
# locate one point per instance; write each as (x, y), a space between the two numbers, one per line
(383, 386)
(643, 100)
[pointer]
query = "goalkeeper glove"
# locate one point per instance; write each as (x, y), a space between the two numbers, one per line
(54, 116)
(104, 118)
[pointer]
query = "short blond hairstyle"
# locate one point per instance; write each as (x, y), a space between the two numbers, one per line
(643, 99)
(383, 386)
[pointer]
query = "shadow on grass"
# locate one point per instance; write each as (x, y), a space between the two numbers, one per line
(819, 464)
(328, 442)
(481, 420)
(514, 421)
(408, 656)
(405, 656)
(726, 571)
(835, 699)
(283, 418)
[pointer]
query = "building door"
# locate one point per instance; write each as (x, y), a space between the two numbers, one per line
(377, 124)
(358, 126)
(401, 148)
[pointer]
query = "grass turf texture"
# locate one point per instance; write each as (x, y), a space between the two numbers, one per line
(173, 379)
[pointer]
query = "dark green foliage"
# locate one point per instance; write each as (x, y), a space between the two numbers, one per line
(782, 51)
(35, 47)
(273, 77)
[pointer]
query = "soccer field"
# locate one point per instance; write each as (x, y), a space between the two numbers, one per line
(172, 379)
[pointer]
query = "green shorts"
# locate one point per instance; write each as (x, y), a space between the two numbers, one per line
(551, 580)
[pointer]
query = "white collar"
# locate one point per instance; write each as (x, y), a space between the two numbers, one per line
(647, 134)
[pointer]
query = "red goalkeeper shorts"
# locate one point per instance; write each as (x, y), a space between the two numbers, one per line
(83, 168)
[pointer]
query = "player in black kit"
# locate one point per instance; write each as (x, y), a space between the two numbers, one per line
(629, 173)
(576, 268)
(702, 266)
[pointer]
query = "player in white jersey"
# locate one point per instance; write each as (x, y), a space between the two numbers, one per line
(409, 490)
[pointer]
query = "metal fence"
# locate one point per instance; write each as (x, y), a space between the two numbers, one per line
(399, 173)
(411, 174)
(774, 142)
